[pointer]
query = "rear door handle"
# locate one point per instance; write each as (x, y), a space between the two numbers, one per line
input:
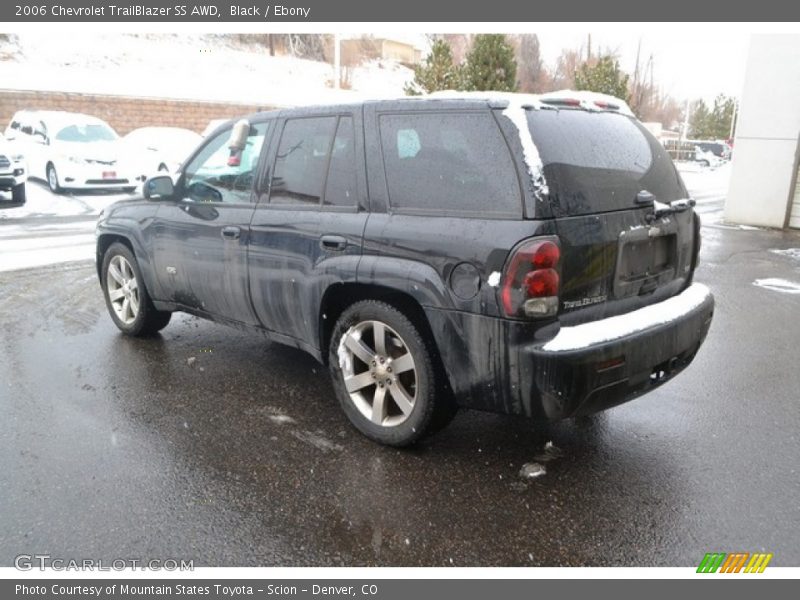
(333, 243)
(231, 232)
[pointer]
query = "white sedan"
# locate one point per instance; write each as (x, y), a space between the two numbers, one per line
(152, 149)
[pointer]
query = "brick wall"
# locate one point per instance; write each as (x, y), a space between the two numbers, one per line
(124, 113)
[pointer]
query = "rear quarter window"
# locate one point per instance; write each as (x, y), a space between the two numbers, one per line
(455, 163)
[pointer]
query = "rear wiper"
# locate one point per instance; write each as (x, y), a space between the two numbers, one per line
(675, 206)
(645, 198)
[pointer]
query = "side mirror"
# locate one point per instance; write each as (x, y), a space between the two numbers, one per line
(158, 187)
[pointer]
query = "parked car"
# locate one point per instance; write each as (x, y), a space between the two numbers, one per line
(69, 150)
(720, 149)
(213, 124)
(153, 149)
(707, 158)
(505, 253)
(13, 172)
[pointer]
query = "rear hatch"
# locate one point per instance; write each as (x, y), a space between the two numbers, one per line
(623, 246)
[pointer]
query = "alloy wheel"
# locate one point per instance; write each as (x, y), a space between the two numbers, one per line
(123, 289)
(379, 372)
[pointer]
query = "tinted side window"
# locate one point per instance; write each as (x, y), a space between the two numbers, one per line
(449, 162)
(302, 161)
(340, 189)
(216, 175)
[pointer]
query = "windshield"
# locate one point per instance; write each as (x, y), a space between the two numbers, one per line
(599, 161)
(86, 133)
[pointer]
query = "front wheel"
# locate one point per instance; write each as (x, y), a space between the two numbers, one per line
(126, 296)
(52, 180)
(384, 375)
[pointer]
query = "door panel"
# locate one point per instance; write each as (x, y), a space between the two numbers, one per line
(201, 236)
(307, 230)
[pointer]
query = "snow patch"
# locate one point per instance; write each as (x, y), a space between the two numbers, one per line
(613, 328)
(790, 252)
(281, 419)
(778, 285)
(494, 279)
(532, 471)
(317, 441)
(517, 115)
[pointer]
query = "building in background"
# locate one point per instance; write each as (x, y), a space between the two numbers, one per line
(356, 49)
(764, 186)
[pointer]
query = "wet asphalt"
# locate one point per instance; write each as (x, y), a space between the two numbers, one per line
(211, 444)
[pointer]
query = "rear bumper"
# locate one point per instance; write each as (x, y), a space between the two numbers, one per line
(592, 367)
(511, 367)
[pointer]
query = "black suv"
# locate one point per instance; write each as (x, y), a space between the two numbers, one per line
(515, 254)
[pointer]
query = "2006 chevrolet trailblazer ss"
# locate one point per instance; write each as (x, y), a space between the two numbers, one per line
(517, 254)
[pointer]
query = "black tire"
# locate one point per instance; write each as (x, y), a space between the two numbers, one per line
(18, 194)
(705, 163)
(163, 168)
(148, 320)
(52, 180)
(432, 408)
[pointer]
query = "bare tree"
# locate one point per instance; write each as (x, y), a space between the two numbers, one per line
(531, 71)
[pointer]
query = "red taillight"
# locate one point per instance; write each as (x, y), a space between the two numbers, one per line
(543, 282)
(606, 105)
(546, 255)
(530, 283)
(562, 101)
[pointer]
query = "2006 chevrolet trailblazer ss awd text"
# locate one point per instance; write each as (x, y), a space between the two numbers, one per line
(517, 254)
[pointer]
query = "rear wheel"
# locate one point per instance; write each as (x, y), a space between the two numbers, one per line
(52, 180)
(126, 296)
(384, 375)
(18, 194)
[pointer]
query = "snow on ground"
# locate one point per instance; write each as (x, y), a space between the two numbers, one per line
(708, 187)
(187, 66)
(42, 203)
(50, 244)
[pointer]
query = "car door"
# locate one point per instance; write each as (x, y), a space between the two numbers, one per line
(201, 234)
(307, 230)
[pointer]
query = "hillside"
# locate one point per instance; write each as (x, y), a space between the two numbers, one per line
(210, 67)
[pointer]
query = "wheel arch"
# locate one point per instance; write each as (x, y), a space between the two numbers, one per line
(339, 296)
(104, 242)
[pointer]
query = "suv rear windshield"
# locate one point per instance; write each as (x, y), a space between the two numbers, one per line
(599, 161)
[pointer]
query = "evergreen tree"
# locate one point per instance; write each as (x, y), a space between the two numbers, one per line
(490, 65)
(712, 123)
(437, 72)
(604, 76)
(699, 121)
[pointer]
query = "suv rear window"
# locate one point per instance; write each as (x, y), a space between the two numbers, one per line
(454, 163)
(599, 161)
